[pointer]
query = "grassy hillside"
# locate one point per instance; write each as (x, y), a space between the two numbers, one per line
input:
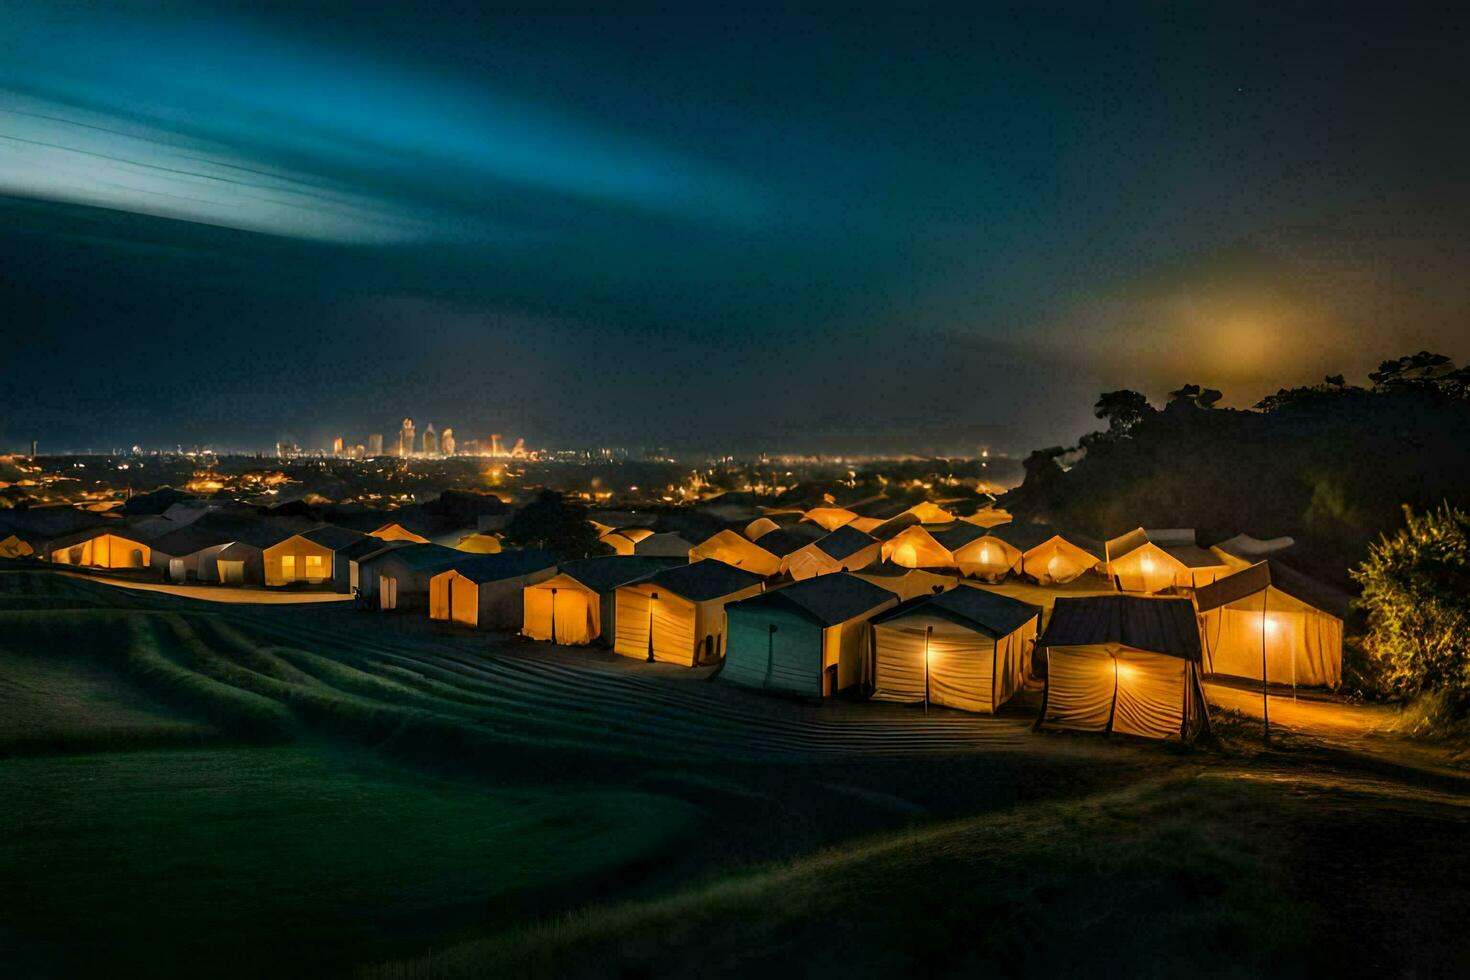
(239, 790)
(1206, 874)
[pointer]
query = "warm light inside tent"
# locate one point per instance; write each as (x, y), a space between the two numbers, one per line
(985, 554)
(1147, 565)
(1054, 566)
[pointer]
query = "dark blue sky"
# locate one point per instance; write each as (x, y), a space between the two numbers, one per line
(760, 229)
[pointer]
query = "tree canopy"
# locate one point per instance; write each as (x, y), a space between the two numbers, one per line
(555, 524)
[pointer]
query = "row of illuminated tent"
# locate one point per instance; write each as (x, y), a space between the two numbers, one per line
(985, 546)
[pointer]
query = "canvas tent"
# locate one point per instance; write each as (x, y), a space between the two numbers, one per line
(988, 517)
(807, 638)
(1048, 556)
(624, 540)
(965, 648)
(830, 518)
(314, 557)
(908, 583)
(1127, 664)
(1154, 559)
(1271, 616)
(845, 549)
(678, 615)
(578, 604)
(976, 552)
(914, 547)
(100, 548)
(397, 576)
(930, 513)
(189, 553)
(731, 548)
(487, 591)
(13, 546)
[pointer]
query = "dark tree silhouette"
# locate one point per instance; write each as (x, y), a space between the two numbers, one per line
(553, 523)
(1122, 410)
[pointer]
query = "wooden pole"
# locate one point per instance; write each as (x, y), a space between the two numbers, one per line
(1265, 695)
(928, 632)
(553, 616)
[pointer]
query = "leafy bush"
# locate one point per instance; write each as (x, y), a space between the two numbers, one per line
(1416, 591)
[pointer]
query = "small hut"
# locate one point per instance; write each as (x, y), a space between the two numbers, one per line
(808, 638)
(678, 615)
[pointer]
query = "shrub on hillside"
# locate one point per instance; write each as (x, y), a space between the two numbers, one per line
(1416, 592)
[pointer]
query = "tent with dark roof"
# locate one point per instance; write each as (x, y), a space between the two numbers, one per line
(965, 648)
(578, 604)
(807, 638)
(763, 557)
(189, 553)
(397, 575)
(1127, 664)
(484, 591)
(678, 615)
(1154, 559)
(1047, 555)
(843, 550)
(975, 552)
(1272, 616)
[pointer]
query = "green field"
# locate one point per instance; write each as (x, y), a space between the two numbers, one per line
(250, 790)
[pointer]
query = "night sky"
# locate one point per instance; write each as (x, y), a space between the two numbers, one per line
(742, 230)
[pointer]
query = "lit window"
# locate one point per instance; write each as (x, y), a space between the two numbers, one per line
(288, 566)
(313, 566)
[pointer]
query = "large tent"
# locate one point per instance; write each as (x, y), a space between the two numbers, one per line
(908, 583)
(1127, 664)
(1271, 616)
(1048, 556)
(1154, 559)
(965, 648)
(731, 548)
(914, 546)
(678, 615)
(100, 548)
(578, 604)
(624, 540)
(486, 591)
(843, 550)
(977, 552)
(807, 638)
(396, 576)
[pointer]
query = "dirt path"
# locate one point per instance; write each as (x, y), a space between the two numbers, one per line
(219, 593)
